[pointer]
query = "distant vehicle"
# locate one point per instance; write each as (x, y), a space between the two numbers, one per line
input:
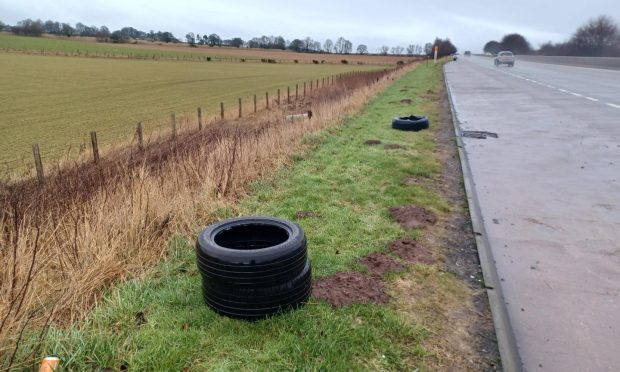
(467, 53)
(505, 58)
(454, 57)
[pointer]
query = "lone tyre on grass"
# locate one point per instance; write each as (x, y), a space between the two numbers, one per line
(253, 267)
(412, 122)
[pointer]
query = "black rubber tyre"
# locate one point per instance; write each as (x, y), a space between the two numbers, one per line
(253, 267)
(410, 123)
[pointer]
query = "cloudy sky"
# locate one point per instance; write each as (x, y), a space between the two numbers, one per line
(468, 23)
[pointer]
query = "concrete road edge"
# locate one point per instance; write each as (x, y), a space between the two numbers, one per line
(509, 352)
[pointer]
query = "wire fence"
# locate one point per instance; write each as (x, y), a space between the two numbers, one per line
(92, 145)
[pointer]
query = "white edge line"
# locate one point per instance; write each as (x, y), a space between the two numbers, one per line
(592, 99)
(613, 105)
(576, 94)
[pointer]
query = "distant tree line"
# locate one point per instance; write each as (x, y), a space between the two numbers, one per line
(599, 37)
(515, 43)
(31, 27)
(444, 48)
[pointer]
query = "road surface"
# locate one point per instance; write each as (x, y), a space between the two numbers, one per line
(548, 189)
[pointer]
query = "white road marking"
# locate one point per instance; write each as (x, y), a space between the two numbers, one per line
(559, 89)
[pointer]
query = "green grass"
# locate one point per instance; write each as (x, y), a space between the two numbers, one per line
(351, 185)
(57, 101)
(73, 47)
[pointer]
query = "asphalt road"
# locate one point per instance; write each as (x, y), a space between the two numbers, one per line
(549, 194)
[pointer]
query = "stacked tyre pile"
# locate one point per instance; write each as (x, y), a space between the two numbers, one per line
(253, 267)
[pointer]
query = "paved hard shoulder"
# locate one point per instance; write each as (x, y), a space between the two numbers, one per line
(549, 195)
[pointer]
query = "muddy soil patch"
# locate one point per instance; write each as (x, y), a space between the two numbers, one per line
(372, 142)
(307, 214)
(406, 100)
(413, 180)
(412, 251)
(349, 288)
(412, 216)
(461, 253)
(393, 146)
(379, 264)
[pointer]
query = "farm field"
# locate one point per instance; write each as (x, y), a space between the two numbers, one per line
(85, 46)
(56, 101)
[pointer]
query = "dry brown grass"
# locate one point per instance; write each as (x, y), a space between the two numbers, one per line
(90, 226)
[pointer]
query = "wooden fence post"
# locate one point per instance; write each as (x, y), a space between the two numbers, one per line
(296, 92)
(173, 123)
(267, 99)
(278, 96)
(38, 163)
(311, 82)
(317, 83)
(140, 137)
(199, 118)
(304, 89)
(288, 95)
(93, 141)
(255, 103)
(222, 110)
(240, 109)
(323, 83)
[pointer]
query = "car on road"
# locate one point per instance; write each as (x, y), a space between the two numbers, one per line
(505, 58)
(467, 53)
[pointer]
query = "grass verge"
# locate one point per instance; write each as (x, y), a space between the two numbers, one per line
(161, 323)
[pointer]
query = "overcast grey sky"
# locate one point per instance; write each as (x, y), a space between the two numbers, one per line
(469, 24)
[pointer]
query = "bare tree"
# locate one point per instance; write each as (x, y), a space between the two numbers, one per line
(411, 49)
(492, 47)
(596, 36)
(308, 44)
(516, 43)
(347, 47)
(191, 38)
(384, 50)
(343, 46)
(28, 27)
(444, 47)
(428, 48)
(103, 35)
(328, 45)
(362, 49)
(397, 50)
(214, 40)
